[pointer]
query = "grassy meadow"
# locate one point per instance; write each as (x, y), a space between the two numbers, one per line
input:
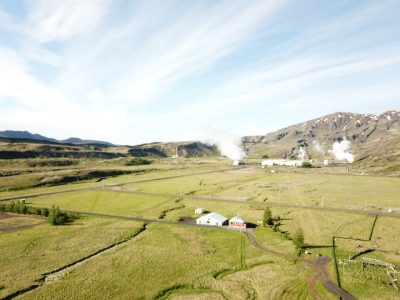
(168, 261)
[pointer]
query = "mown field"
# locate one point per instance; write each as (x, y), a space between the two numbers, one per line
(171, 261)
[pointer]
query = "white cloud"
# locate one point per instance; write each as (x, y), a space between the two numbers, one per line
(120, 79)
(50, 20)
(18, 84)
(192, 43)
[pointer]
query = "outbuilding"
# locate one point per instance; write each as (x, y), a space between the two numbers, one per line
(237, 222)
(238, 162)
(212, 219)
(199, 211)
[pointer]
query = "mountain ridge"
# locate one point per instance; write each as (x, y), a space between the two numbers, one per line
(16, 134)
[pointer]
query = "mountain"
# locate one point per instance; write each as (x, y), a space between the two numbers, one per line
(24, 135)
(182, 149)
(29, 136)
(375, 139)
(78, 141)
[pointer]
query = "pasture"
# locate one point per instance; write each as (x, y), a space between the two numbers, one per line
(170, 260)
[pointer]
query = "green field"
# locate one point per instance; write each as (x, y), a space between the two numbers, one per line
(171, 261)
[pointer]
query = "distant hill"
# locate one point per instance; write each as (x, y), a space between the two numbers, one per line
(375, 142)
(375, 139)
(182, 149)
(30, 136)
(78, 141)
(24, 135)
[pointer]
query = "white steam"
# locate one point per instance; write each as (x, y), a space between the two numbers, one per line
(302, 153)
(228, 144)
(318, 147)
(341, 150)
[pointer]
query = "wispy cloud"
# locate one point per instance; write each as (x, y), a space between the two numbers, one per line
(133, 71)
(50, 20)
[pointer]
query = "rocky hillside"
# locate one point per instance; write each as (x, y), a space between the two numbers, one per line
(375, 139)
(182, 149)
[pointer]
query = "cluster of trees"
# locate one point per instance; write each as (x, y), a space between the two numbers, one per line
(297, 238)
(54, 215)
(138, 162)
(57, 217)
(306, 164)
(19, 207)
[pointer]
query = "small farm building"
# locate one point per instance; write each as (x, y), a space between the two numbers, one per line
(237, 222)
(212, 219)
(238, 162)
(199, 211)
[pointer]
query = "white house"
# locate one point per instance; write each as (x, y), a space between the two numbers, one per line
(237, 222)
(281, 162)
(212, 219)
(199, 211)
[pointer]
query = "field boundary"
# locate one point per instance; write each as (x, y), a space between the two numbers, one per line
(349, 238)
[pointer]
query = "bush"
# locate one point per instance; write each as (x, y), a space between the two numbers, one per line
(33, 210)
(44, 211)
(306, 164)
(265, 156)
(56, 217)
(137, 162)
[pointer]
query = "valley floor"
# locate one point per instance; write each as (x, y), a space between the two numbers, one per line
(130, 241)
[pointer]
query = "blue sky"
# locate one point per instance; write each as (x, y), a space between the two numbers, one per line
(141, 71)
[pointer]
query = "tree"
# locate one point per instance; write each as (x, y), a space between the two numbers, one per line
(267, 219)
(56, 217)
(298, 239)
(306, 164)
(44, 211)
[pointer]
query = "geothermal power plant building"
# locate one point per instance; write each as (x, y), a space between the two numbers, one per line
(281, 162)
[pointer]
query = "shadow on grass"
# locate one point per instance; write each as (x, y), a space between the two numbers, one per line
(316, 246)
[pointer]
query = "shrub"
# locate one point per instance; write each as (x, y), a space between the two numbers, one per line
(44, 211)
(56, 217)
(137, 162)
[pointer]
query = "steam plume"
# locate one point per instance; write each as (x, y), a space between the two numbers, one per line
(302, 153)
(228, 144)
(318, 147)
(341, 150)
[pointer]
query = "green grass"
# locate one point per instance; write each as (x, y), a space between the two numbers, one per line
(139, 269)
(107, 202)
(27, 254)
(200, 263)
